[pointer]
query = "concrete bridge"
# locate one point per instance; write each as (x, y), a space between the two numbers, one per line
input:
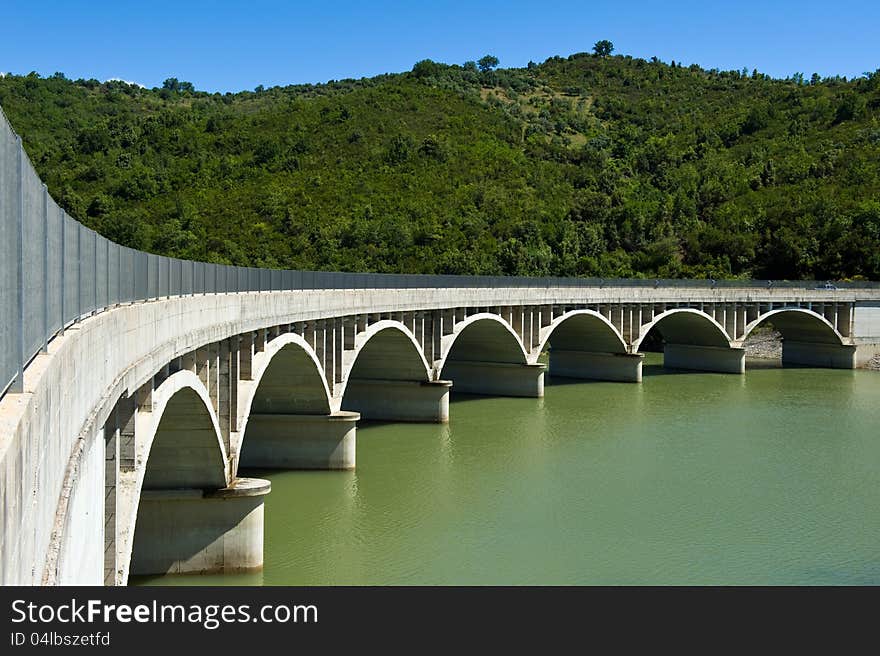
(122, 453)
(139, 392)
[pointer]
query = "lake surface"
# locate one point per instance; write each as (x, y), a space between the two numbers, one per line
(688, 478)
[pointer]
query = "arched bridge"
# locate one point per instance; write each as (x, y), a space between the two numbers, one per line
(136, 387)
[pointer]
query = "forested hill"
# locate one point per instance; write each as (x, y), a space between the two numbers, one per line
(586, 165)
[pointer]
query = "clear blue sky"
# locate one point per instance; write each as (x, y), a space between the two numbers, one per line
(230, 46)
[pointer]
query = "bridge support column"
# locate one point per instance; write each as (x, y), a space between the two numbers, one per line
(496, 378)
(399, 400)
(832, 356)
(705, 358)
(620, 367)
(200, 531)
(300, 441)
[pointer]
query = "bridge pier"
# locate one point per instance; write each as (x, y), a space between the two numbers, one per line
(496, 378)
(618, 367)
(717, 359)
(399, 400)
(832, 356)
(200, 531)
(290, 441)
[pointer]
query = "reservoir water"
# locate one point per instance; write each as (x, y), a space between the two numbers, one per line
(688, 478)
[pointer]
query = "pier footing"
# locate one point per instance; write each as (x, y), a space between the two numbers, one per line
(199, 531)
(704, 358)
(618, 367)
(300, 441)
(396, 400)
(496, 378)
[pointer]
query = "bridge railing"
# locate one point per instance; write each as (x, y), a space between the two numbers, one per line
(54, 271)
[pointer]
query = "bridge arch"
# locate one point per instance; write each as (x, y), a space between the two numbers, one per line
(686, 326)
(388, 378)
(386, 350)
(808, 339)
(484, 355)
(800, 325)
(584, 344)
(482, 337)
(284, 403)
(180, 448)
(582, 330)
(287, 380)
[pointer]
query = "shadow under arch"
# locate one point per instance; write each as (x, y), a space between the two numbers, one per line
(584, 344)
(693, 341)
(388, 378)
(808, 339)
(282, 405)
(182, 453)
(484, 355)
(799, 325)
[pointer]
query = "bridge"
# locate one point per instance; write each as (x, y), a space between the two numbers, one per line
(136, 387)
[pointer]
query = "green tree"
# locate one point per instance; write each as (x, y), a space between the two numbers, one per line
(487, 63)
(603, 48)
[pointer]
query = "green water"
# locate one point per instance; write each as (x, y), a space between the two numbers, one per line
(768, 478)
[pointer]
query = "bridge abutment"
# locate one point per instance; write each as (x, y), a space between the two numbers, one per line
(831, 356)
(716, 359)
(399, 400)
(200, 531)
(496, 378)
(290, 441)
(617, 367)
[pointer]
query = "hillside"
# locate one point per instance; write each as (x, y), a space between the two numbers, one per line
(586, 165)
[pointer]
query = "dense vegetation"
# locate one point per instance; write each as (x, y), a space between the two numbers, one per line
(589, 165)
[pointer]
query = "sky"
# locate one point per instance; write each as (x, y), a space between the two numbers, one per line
(233, 46)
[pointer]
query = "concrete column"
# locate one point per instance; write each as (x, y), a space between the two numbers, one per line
(198, 531)
(246, 357)
(831, 356)
(300, 441)
(448, 321)
(234, 377)
(320, 347)
(621, 367)
(309, 333)
(224, 385)
(188, 362)
(436, 335)
(496, 378)
(111, 476)
(844, 319)
(399, 400)
(517, 322)
(705, 358)
(617, 318)
(337, 336)
(349, 328)
(203, 367)
(260, 341)
(546, 315)
(125, 418)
